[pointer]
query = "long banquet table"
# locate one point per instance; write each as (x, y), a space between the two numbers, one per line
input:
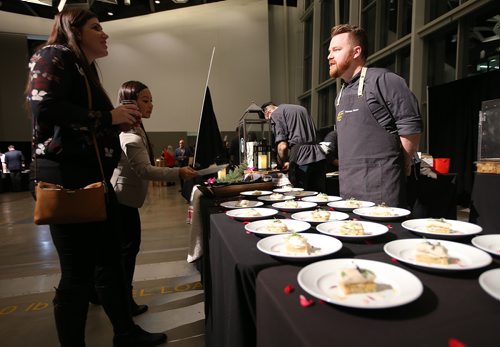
(237, 305)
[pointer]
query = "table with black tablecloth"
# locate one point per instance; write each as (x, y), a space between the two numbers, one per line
(232, 266)
(453, 310)
(485, 201)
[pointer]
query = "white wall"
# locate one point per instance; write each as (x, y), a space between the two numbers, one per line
(170, 52)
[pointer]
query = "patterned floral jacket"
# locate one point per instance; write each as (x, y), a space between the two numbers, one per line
(63, 121)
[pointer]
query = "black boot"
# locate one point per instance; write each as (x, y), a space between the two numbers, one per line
(134, 308)
(70, 312)
(137, 337)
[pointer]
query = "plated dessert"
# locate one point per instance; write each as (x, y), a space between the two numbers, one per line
(293, 206)
(349, 204)
(318, 216)
(277, 226)
(241, 204)
(352, 230)
(360, 283)
(441, 228)
(381, 212)
(251, 213)
(439, 255)
(299, 246)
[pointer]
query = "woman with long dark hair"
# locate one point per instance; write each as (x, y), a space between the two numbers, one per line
(62, 75)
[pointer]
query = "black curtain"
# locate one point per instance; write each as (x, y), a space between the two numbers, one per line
(453, 124)
(209, 145)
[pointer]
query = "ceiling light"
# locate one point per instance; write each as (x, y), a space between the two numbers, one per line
(40, 2)
(180, 1)
(110, 13)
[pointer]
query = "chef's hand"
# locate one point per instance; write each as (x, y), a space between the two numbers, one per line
(286, 166)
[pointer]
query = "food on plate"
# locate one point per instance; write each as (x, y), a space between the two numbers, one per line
(257, 192)
(356, 280)
(352, 203)
(381, 211)
(322, 197)
(242, 203)
(351, 228)
(438, 226)
(320, 215)
(276, 196)
(287, 188)
(250, 213)
(276, 226)
(429, 253)
(291, 204)
(297, 244)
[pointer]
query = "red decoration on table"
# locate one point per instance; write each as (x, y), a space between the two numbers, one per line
(288, 289)
(394, 260)
(452, 342)
(389, 226)
(304, 302)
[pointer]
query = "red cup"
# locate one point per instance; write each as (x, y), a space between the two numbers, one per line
(441, 165)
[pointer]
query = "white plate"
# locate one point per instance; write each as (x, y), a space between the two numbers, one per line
(232, 204)
(307, 217)
(315, 199)
(462, 257)
(321, 245)
(268, 198)
(488, 243)
(243, 214)
(259, 227)
(371, 229)
(457, 228)
(302, 205)
(395, 285)
(254, 193)
(342, 205)
(302, 193)
(287, 190)
(490, 282)
(367, 212)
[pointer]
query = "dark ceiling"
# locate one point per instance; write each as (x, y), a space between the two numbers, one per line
(102, 8)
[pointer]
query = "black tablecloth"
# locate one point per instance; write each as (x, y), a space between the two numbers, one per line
(232, 266)
(436, 198)
(453, 309)
(485, 202)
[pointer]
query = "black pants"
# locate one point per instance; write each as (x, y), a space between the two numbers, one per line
(310, 177)
(131, 240)
(90, 256)
(15, 179)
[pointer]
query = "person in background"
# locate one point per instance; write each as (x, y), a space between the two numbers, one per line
(131, 180)
(296, 148)
(62, 73)
(14, 161)
(182, 154)
(168, 155)
(378, 122)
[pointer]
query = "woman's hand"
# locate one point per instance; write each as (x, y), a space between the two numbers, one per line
(126, 116)
(187, 172)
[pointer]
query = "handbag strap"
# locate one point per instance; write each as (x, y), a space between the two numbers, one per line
(89, 100)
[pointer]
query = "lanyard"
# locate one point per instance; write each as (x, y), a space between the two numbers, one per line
(360, 85)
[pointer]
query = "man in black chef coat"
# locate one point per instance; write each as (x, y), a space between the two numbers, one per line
(378, 122)
(297, 150)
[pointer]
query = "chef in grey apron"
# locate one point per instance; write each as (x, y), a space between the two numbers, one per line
(371, 160)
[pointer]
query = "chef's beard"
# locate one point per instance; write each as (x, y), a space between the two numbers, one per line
(338, 69)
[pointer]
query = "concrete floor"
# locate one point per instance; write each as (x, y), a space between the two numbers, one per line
(29, 271)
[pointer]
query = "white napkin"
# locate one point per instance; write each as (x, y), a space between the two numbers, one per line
(195, 249)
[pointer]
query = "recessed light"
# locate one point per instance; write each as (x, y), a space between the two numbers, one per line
(110, 13)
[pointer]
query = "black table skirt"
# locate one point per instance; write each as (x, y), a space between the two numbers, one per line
(485, 202)
(452, 308)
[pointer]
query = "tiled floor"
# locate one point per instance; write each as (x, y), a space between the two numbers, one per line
(29, 270)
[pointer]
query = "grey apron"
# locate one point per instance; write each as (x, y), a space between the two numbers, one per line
(370, 158)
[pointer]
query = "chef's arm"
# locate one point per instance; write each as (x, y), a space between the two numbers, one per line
(283, 155)
(410, 145)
